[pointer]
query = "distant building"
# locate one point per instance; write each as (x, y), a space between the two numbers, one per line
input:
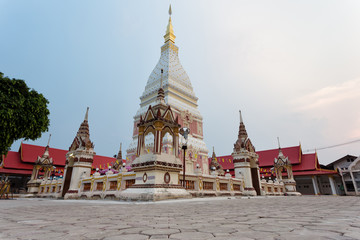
(349, 170)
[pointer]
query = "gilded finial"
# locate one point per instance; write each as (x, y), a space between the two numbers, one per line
(169, 35)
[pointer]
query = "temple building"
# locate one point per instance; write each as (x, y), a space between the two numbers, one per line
(180, 96)
(310, 177)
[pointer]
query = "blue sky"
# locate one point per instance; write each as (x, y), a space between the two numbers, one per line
(292, 67)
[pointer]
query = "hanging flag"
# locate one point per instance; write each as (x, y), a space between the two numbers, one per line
(195, 156)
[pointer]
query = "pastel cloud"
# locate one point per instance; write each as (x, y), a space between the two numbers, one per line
(349, 90)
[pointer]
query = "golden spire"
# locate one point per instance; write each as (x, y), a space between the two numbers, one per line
(169, 35)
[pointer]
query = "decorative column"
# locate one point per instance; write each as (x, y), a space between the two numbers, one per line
(315, 185)
(141, 141)
(157, 138)
(343, 180)
(332, 185)
(354, 182)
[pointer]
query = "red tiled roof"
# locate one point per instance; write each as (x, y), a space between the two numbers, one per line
(225, 161)
(22, 162)
(13, 161)
(29, 153)
(309, 162)
(266, 157)
(15, 171)
(302, 164)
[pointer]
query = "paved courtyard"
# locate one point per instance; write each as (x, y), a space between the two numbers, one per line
(306, 217)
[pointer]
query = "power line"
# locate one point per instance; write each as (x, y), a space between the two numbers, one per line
(332, 146)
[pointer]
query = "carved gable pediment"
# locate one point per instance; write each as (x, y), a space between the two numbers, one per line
(149, 115)
(168, 115)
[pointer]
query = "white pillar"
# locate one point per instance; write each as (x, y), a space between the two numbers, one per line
(315, 185)
(332, 185)
(354, 182)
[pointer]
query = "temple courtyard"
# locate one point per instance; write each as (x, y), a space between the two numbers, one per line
(305, 217)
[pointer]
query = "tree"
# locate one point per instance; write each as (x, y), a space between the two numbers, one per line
(23, 112)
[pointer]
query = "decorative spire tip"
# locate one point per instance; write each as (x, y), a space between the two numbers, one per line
(278, 142)
(170, 12)
(49, 140)
(241, 119)
(87, 113)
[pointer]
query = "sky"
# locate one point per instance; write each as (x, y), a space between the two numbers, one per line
(291, 67)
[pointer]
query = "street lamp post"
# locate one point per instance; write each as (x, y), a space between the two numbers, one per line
(184, 147)
(185, 133)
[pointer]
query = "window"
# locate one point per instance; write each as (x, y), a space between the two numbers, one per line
(87, 187)
(130, 182)
(208, 185)
(113, 185)
(99, 186)
(188, 184)
(223, 187)
(236, 187)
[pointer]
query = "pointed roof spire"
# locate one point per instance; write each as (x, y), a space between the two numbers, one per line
(46, 152)
(242, 129)
(161, 93)
(281, 155)
(213, 154)
(49, 140)
(278, 142)
(119, 156)
(169, 35)
(86, 114)
(84, 126)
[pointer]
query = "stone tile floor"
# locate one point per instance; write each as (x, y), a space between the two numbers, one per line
(305, 217)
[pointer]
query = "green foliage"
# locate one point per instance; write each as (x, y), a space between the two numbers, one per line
(23, 112)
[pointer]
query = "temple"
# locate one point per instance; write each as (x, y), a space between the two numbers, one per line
(158, 155)
(180, 96)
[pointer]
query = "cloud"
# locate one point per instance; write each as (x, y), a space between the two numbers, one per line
(349, 90)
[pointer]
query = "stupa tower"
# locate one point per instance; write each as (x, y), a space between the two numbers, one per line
(179, 94)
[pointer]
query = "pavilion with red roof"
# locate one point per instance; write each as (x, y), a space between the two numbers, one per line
(18, 166)
(309, 176)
